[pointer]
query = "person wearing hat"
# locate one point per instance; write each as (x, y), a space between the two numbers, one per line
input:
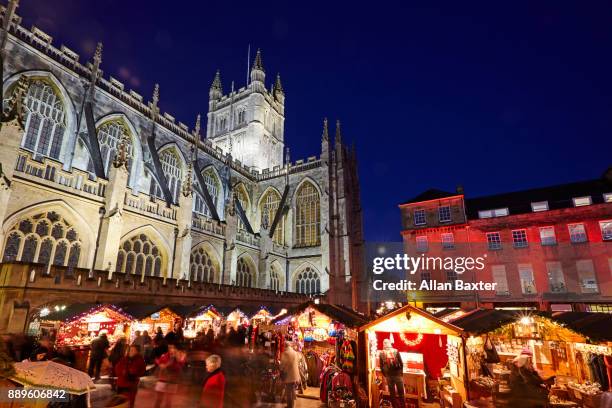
(526, 385)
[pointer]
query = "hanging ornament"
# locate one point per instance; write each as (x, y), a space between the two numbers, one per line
(411, 343)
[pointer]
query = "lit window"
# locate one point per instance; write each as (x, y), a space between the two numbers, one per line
(419, 217)
(494, 240)
(44, 120)
(498, 212)
(539, 206)
(421, 244)
(586, 276)
(499, 277)
(577, 233)
(307, 217)
(519, 238)
(448, 240)
(607, 198)
(485, 214)
(580, 201)
(547, 236)
(606, 230)
(556, 281)
(451, 276)
(444, 213)
(527, 280)
(425, 276)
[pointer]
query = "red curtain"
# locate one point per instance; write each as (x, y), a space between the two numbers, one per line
(433, 348)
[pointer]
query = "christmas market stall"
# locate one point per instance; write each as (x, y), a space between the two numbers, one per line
(432, 353)
(204, 318)
(327, 337)
(151, 317)
(573, 349)
(79, 324)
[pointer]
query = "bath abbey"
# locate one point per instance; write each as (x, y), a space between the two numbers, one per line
(103, 196)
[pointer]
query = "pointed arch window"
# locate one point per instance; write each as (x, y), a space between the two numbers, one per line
(43, 238)
(308, 282)
(275, 280)
(138, 255)
(171, 166)
(241, 116)
(269, 207)
(202, 266)
(307, 216)
(110, 135)
(244, 274)
(45, 120)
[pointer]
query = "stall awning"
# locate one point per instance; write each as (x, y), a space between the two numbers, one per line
(140, 310)
(411, 319)
(485, 320)
(596, 326)
(340, 314)
(79, 310)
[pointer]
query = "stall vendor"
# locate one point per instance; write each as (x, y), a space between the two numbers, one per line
(392, 367)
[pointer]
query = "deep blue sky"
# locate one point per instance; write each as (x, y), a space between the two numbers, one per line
(495, 98)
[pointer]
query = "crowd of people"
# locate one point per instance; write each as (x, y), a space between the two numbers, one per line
(168, 358)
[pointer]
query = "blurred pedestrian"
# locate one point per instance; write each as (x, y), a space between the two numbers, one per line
(99, 348)
(170, 366)
(117, 353)
(213, 388)
(290, 372)
(129, 369)
(44, 351)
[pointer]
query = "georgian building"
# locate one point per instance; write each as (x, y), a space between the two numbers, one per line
(547, 248)
(96, 177)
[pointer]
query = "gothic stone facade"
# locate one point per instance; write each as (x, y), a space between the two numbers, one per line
(96, 178)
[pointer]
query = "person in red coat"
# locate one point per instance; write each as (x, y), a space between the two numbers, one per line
(213, 389)
(129, 369)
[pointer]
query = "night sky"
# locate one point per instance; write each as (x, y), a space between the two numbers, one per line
(494, 98)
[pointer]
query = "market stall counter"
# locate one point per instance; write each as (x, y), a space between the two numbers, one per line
(432, 355)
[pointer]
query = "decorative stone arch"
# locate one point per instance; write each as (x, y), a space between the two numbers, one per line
(70, 132)
(203, 260)
(279, 234)
(277, 276)
(306, 226)
(304, 279)
(246, 259)
(155, 238)
(70, 215)
(137, 156)
(306, 179)
(221, 191)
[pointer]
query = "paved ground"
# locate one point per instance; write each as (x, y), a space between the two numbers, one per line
(188, 397)
(241, 386)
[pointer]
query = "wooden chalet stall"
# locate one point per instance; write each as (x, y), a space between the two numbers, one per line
(572, 346)
(432, 350)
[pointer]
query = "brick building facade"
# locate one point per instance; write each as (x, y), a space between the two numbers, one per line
(549, 248)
